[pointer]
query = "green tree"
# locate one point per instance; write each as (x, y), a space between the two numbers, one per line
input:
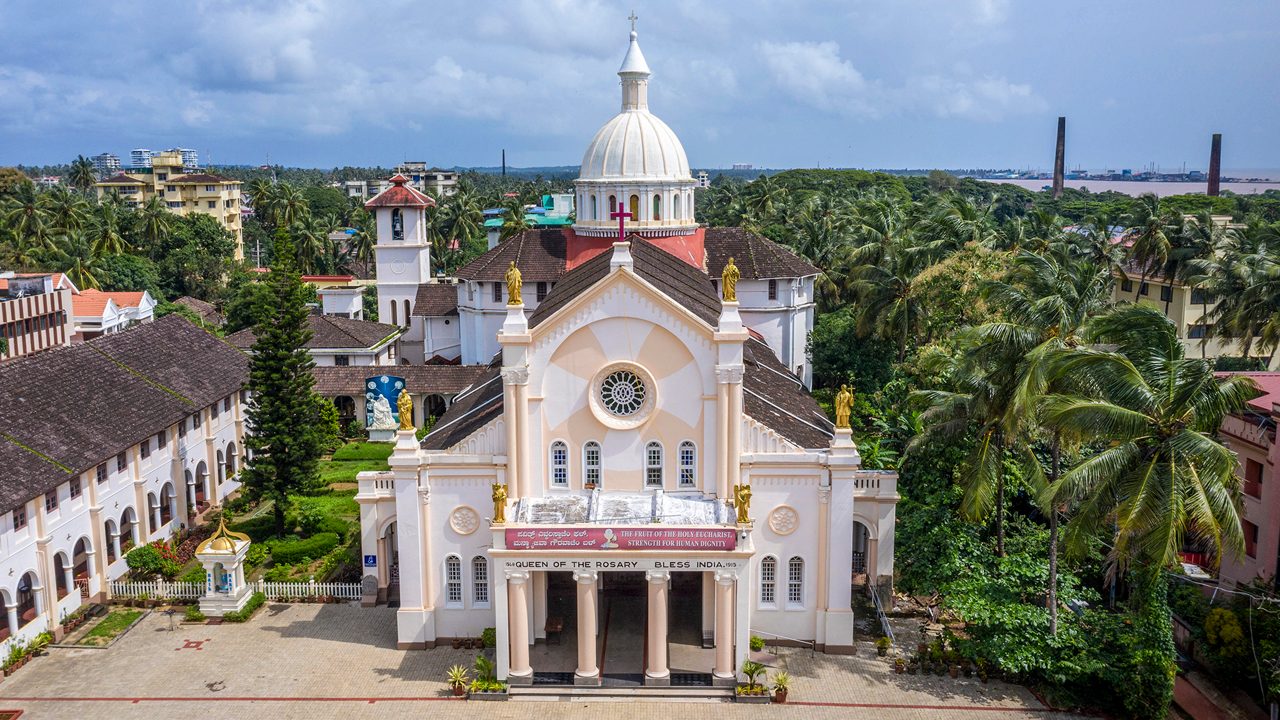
(82, 175)
(129, 273)
(286, 437)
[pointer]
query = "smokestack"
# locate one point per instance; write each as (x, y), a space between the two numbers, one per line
(1215, 164)
(504, 162)
(1060, 158)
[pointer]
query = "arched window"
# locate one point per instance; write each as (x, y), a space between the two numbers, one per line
(675, 208)
(559, 464)
(768, 580)
(795, 581)
(393, 313)
(591, 463)
(653, 464)
(634, 207)
(480, 580)
(453, 581)
(397, 224)
(594, 215)
(688, 464)
(406, 313)
(613, 204)
(657, 207)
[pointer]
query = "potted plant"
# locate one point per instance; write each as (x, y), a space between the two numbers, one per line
(913, 666)
(757, 643)
(456, 643)
(899, 665)
(752, 691)
(883, 644)
(489, 637)
(781, 684)
(458, 680)
(486, 686)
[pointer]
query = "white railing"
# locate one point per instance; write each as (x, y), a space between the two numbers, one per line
(285, 590)
(157, 589)
(273, 590)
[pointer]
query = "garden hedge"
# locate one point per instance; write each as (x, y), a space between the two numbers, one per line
(314, 547)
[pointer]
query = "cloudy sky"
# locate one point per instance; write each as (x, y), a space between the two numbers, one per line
(850, 83)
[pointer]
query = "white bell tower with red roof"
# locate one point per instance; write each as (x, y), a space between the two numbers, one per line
(403, 259)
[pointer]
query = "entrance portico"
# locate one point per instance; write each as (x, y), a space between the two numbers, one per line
(593, 570)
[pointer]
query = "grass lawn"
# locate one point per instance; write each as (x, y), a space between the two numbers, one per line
(109, 627)
(363, 451)
(344, 471)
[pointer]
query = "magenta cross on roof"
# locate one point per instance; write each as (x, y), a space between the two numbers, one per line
(622, 216)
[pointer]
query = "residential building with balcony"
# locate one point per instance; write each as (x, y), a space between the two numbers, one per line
(35, 313)
(1252, 436)
(95, 312)
(93, 468)
(106, 163)
(183, 192)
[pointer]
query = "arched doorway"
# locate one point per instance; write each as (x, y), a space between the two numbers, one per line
(233, 458)
(61, 574)
(113, 540)
(221, 467)
(153, 514)
(28, 603)
(201, 486)
(6, 603)
(166, 504)
(863, 567)
(128, 530)
(346, 409)
(433, 406)
(81, 556)
(389, 556)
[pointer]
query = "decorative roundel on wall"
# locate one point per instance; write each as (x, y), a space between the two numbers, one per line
(464, 520)
(784, 520)
(623, 395)
(397, 267)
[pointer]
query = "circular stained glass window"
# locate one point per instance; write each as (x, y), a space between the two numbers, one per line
(622, 393)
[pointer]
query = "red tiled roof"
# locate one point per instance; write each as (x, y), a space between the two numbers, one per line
(121, 179)
(400, 195)
(1268, 383)
(89, 304)
(122, 298)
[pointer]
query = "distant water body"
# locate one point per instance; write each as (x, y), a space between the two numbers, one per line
(1142, 188)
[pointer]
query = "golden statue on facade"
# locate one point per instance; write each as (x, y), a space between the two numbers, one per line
(742, 500)
(404, 404)
(513, 285)
(729, 282)
(499, 504)
(844, 407)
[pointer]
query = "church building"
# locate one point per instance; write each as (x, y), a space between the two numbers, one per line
(638, 472)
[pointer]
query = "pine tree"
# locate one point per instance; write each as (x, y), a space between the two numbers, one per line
(285, 434)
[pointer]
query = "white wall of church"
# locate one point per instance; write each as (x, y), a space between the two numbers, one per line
(457, 500)
(797, 493)
(442, 336)
(784, 321)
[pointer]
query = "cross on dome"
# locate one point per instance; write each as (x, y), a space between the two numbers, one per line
(633, 18)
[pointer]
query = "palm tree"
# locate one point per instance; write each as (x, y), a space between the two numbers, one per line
(955, 221)
(1046, 301)
(311, 240)
(66, 209)
(762, 198)
(82, 175)
(260, 195)
(289, 205)
(156, 223)
(76, 254)
(514, 221)
(105, 232)
(25, 214)
(1162, 474)
(464, 216)
(1149, 233)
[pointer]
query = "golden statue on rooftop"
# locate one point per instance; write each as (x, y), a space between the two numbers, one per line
(513, 285)
(742, 500)
(844, 407)
(729, 282)
(404, 404)
(499, 504)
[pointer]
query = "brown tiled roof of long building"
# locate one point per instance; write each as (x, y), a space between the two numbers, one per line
(436, 300)
(66, 410)
(773, 395)
(330, 331)
(757, 257)
(206, 310)
(332, 381)
(540, 255)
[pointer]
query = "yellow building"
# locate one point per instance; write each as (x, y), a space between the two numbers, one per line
(184, 193)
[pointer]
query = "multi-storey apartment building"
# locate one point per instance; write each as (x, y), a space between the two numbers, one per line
(91, 470)
(1252, 435)
(184, 192)
(35, 313)
(106, 163)
(140, 158)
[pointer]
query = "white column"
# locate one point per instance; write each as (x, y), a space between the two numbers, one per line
(588, 671)
(657, 673)
(724, 669)
(13, 619)
(518, 626)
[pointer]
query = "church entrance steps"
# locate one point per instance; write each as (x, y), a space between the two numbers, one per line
(620, 693)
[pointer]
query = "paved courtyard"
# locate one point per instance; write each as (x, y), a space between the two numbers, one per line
(320, 661)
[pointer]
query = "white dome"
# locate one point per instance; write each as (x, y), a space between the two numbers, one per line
(635, 145)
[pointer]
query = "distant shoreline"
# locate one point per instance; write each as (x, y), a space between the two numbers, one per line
(1139, 187)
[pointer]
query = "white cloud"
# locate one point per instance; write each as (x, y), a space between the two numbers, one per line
(814, 73)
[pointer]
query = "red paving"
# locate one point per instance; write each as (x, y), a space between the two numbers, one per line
(1194, 703)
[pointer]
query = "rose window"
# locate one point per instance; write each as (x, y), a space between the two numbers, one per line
(622, 393)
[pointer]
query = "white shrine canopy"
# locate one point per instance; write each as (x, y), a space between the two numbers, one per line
(655, 507)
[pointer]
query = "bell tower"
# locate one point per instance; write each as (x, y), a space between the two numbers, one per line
(403, 259)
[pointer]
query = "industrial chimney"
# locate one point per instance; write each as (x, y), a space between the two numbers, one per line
(1060, 159)
(1215, 165)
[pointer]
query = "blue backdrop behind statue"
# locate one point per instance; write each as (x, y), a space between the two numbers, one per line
(380, 395)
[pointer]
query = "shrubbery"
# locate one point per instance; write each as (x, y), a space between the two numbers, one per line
(363, 451)
(288, 552)
(255, 602)
(150, 561)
